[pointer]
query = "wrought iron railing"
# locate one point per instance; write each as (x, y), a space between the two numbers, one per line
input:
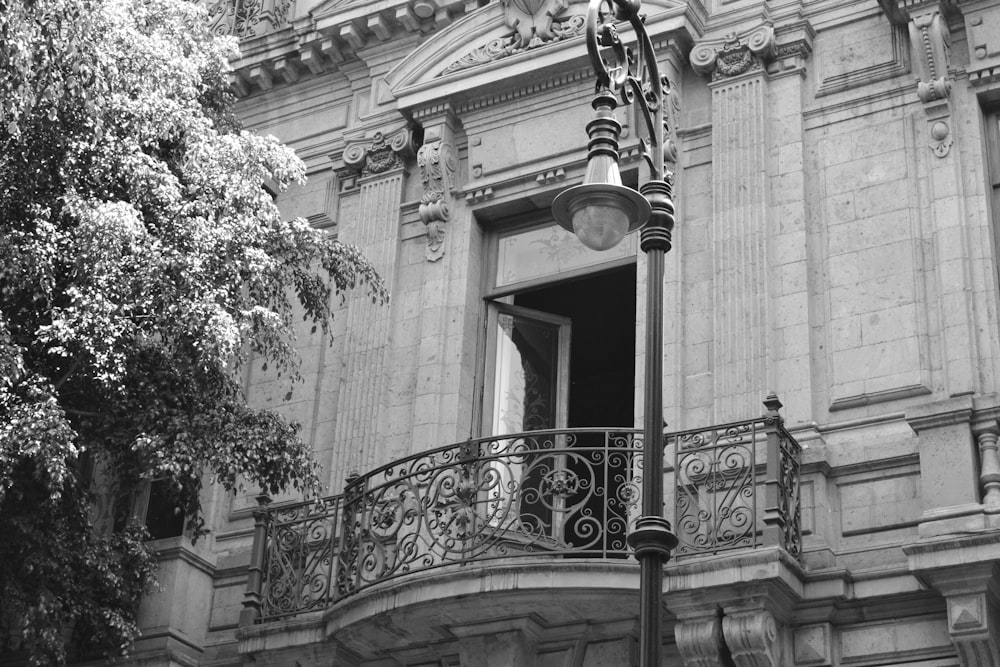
(736, 486)
(557, 493)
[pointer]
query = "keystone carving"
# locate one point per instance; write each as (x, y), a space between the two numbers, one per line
(381, 154)
(735, 54)
(436, 161)
(532, 19)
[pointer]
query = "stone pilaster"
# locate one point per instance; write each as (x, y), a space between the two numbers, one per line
(739, 206)
(930, 48)
(448, 287)
(373, 225)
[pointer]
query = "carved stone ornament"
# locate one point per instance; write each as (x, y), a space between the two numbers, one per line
(545, 26)
(699, 641)
(941, 139)
(248, 18)
(735, 54)
(383, 153)
(752, 639)
(436, 161)
(931, 44)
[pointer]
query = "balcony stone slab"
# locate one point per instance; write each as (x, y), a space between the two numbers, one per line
(461, 605)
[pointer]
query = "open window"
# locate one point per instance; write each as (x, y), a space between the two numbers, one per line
(560, 354)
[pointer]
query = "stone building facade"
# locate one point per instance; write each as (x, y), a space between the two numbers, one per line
(837, 182)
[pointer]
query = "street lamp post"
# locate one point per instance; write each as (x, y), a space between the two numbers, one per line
(600, 212)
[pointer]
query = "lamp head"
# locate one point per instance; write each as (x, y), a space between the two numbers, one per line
(600, 214)
(601, 210)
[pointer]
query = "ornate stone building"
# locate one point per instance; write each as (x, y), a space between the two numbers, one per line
(837, 181)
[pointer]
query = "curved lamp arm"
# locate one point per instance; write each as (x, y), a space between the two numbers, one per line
(627, 74)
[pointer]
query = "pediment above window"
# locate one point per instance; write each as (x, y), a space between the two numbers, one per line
(502, 41)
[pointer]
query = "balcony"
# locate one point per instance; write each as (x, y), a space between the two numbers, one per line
(556, 496)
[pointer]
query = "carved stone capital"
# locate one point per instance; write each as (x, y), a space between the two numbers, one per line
(381, 153)
(734, 54)
(752, 637)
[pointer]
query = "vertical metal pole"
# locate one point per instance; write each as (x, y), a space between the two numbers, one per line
(651, 537)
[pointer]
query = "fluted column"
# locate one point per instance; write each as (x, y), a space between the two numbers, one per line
(371, 223)
(739, 212)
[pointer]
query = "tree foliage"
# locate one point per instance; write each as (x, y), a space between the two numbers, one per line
(142, 262)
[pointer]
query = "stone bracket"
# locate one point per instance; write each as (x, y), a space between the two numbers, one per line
(437, 162)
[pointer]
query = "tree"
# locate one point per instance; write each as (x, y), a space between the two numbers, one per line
(142, 261)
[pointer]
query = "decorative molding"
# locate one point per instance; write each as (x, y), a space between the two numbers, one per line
(515, 42)
(734, 54)
(752, 639)
(861, 400)
(437, 164)
(380, 154)
(982, 31)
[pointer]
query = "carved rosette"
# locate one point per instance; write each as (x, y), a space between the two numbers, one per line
(735, 54)
(381, 154)
(437, 164)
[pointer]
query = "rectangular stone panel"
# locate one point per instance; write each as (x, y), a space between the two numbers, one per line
(858, 53)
